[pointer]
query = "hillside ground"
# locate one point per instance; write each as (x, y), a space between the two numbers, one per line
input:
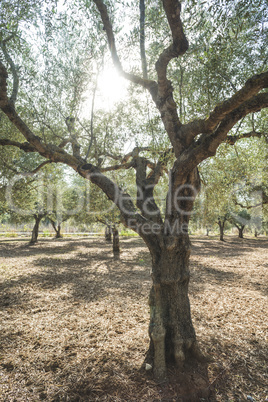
(74, 320)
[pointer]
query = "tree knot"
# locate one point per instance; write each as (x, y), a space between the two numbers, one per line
(87, 166)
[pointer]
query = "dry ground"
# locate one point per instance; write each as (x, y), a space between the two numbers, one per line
(74, 320)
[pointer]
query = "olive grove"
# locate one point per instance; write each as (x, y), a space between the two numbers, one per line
(193, 109)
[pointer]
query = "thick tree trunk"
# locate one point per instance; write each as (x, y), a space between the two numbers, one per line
(58, 233)
(35, 230)
(172, 335)
(116, 246)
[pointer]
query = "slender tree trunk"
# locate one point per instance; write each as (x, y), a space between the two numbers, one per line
(221, 233)
(240, 232)
(256, 233)
(35, 230)
(221, 226)
(208, 230)
(108, 233)
(116, 246)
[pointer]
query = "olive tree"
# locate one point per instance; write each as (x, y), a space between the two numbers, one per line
(191, 141)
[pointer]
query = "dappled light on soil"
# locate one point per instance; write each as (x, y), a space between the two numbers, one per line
(75, 320)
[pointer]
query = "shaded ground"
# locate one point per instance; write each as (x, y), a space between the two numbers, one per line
(74, 320)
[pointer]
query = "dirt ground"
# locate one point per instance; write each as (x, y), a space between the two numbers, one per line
(74, 320)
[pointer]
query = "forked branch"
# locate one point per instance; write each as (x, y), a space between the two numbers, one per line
(179, 42)
(207, 144)
(254, 85)
(148, 84)
(251, 88)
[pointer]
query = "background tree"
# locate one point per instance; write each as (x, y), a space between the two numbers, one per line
(234, 180)
(240, 220)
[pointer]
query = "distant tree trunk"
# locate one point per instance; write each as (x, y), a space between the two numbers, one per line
(116, 246)
(108, 233)
(240, 231)
(208, 230)
(256, 233)
(35, 231)
(58, 233)
(221, 223)
(57, 229)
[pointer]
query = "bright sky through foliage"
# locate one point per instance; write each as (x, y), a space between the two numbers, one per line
(111, 89)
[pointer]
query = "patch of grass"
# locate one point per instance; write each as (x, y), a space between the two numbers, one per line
(11, 234)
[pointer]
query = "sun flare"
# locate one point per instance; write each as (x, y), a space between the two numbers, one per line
(112, 88)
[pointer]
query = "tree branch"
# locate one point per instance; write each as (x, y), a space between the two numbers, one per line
(70, 122)
(145, 188)
(232, 139)
(251, 88)
(164, 100)
(178, 47)
(134, 153)
(254, 85)
(25, 146)
(91, 119)
(251, 206)
(142, 40)
(117, 167)
(148, 84)
(115, 157)
(162, 93)
(207, 144)
(7, 107)
(8, 58)
(128, 213)
(40, 166)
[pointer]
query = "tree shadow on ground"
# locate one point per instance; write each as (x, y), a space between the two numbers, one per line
(225, 256)
(228, 249)
(241, 364)
(108, 374)
(47, 246)
(92, 275)
(89, 276)
(118, 380)
(205, 275)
